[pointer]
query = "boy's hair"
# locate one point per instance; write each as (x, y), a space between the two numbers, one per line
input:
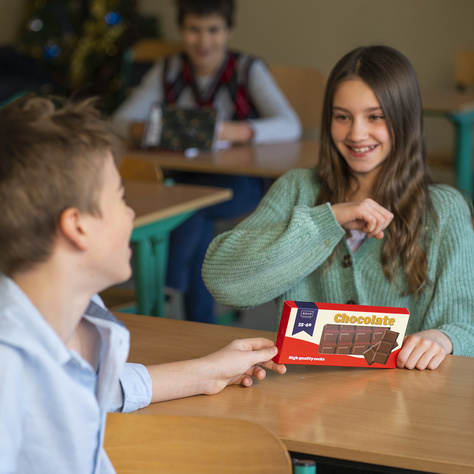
(402, 184)
(51, 159)
(223, 8)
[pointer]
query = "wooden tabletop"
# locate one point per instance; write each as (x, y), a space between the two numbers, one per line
(420, 420)
(153, 201)
(270, 160)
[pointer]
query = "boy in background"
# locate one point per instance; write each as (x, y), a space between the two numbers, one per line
(251, 109)
(64, 234)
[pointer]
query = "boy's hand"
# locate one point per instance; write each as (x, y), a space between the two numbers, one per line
(365, 215)
(241, 360)
(424, 350)
(235, 132)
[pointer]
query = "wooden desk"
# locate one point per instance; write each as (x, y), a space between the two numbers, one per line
(459, 108)
(158, 210)
(422, 420)
(270, 160)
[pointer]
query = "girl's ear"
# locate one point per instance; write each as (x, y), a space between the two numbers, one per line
(73, 227)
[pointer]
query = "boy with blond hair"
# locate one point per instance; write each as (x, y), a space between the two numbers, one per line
(64, 234)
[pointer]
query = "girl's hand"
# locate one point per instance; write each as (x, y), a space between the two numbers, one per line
(424, 350)
(365, 215)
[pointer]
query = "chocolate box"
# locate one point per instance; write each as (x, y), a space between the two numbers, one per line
(340, 334)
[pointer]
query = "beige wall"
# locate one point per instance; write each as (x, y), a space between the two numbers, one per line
(318, 32)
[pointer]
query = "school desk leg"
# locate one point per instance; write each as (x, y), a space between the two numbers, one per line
(464, 177)
(150, 254)
(144, 276)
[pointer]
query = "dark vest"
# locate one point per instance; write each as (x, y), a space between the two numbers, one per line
(232, 77)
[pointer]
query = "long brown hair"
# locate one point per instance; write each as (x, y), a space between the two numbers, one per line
(402, 184)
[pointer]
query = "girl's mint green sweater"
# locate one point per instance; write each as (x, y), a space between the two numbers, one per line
(281, 252)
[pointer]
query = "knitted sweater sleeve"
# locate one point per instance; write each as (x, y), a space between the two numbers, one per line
(282, 242)
(452, 308)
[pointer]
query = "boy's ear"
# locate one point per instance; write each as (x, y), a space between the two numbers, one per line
(72, 227)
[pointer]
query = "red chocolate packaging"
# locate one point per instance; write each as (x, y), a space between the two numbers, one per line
(340, 334)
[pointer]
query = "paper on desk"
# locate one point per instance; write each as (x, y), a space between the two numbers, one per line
(191, 153)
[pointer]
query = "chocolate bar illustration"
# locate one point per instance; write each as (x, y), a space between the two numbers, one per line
(345, 339)
(379, 352)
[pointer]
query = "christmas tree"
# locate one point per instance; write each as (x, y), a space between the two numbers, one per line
(80, 43)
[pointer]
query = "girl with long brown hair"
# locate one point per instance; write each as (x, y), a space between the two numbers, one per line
(367, 225)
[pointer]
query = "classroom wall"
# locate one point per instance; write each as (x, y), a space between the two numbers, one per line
(318, 32)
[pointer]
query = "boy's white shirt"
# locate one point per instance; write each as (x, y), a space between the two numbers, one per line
(48, 391)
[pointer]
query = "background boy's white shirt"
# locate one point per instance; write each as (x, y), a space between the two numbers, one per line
(278, 121)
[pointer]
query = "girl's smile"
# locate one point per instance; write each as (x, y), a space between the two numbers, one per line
(359, 129)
